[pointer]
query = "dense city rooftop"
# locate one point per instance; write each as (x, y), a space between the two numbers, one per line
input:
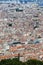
(21, 31)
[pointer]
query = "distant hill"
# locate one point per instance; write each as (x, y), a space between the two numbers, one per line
(40, 2)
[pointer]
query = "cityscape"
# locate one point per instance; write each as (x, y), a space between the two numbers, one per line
(21, 30)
